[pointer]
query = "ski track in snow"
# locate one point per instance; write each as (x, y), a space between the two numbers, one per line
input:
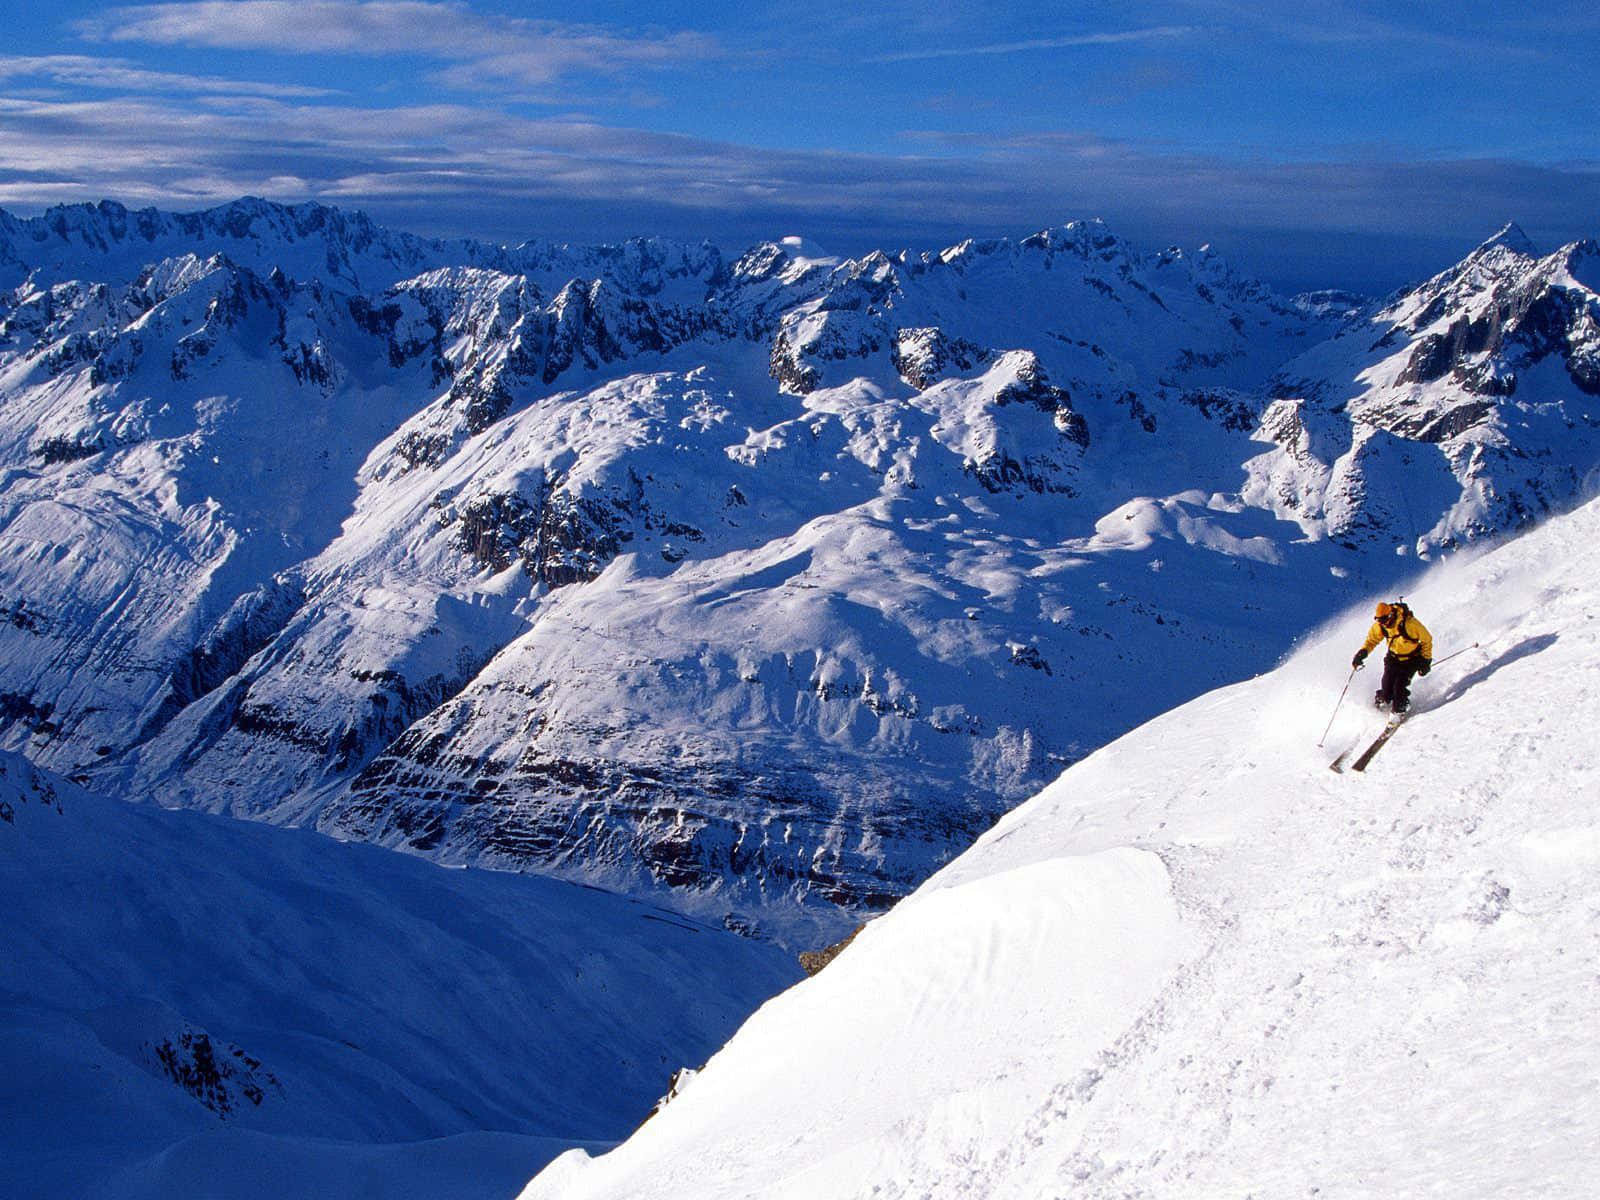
(1201, 964)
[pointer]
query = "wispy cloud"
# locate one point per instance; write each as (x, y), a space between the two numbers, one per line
(1058, 144)
(1113, 38)
(110, 74)
(1335, 23)
(453, 168)
(483, 50)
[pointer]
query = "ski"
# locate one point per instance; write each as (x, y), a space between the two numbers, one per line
(1377, 743)
(1343, 760)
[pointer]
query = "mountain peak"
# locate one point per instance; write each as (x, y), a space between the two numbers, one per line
(1512, 238)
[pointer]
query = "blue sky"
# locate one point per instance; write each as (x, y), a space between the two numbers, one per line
(1354, 144)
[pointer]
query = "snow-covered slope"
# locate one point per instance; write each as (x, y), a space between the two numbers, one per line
(759, 585)
(1202, 964)
(193, 1005)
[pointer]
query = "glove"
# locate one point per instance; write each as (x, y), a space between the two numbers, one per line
(1358, 660)
(1427, 665)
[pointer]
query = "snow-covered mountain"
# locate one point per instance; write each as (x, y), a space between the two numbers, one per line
(1202, 964)
(1468, 405)
(106, 243)
(199, 1006)
(763, 585)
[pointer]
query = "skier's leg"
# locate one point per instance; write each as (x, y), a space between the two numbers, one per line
(1391, 676)
(1400, 692)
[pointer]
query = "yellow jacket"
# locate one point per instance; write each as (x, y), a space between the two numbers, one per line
(1409, 639)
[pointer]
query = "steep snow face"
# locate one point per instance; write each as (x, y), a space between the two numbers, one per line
(194, 1005)
(1200, 963)
(172, 447)
(757, 586)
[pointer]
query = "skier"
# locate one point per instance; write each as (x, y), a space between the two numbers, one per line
(1410, 654)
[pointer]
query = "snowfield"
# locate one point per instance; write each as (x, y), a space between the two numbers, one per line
(200, 1006)
(1202, 964)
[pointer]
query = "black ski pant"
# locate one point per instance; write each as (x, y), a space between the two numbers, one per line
(1395, 690)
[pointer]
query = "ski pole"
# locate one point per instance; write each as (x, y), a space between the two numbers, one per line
(1338, 702)
(1448, 657)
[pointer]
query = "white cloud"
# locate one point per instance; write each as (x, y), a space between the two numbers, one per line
(483, 50)
(1156, 33)
(112, 74)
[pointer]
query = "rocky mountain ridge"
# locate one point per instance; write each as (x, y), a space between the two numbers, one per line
(763, 584)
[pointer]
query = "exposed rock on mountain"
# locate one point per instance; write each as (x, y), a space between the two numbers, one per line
(764, 585)
(1478, 386)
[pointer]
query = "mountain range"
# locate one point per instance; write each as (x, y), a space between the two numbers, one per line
(760, 586)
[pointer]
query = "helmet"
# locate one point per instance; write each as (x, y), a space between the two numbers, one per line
(1385, 611)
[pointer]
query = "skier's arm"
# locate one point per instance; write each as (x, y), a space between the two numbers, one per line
(1374, 636)
(1424, 640)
